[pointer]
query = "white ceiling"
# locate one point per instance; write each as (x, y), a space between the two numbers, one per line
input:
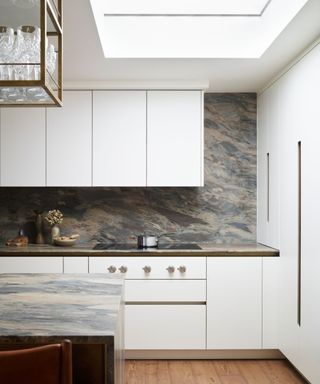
(84, 60)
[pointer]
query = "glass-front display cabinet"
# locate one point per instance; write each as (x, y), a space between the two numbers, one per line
(31, 40)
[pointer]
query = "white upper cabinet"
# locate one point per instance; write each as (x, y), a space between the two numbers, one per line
(119, 138)
(23, 142)
(175, 139)
(69, 141)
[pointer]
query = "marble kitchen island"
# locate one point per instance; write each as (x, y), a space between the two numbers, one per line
(86, 309)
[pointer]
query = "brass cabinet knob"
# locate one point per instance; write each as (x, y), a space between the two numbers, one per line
(182, 269)
(112, 269)
(123, 269)
(171, 269)
(147, 269)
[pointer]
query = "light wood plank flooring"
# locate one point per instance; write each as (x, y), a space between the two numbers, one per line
(211, 372)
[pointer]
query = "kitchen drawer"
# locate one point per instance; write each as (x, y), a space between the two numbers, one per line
(75, 264)
(165, 291)
(195, 267)
(165, 327)
(15, 264)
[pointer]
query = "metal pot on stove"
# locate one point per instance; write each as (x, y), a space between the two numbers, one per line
(148, 241)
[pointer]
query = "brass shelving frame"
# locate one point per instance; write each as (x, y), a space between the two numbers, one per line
(54, 11)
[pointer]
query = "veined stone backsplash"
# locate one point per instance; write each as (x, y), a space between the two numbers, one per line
(223, 211)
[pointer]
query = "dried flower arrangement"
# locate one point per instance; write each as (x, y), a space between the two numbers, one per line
(54, 217)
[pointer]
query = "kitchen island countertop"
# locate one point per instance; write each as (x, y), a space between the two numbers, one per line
(207, 249)
(41, 309)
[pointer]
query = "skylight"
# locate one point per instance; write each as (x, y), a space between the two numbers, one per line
(185, 7)
(191, 28)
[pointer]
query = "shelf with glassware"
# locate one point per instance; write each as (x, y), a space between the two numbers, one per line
(31, 53)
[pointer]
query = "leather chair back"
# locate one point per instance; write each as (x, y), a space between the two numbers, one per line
(49, 364)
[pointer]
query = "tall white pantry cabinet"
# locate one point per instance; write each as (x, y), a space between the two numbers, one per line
(121, 138)
(289, 199)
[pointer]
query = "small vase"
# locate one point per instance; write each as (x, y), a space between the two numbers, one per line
(38, 223)
(55, 232)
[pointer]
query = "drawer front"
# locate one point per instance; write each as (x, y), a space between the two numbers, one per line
(165, 291)
(165, 327)
(31, 264)
(75, 265)
(195, 267)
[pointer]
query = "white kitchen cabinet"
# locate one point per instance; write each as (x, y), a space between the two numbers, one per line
(164, 310)
(298, 284)
(39, 264)
(119, 138)
(165, 327)
(175, 138)
(310, 262)
(23, 147)
(166, 291)
(270, 301)
(74, 264)
(234, 306)
(69, 141)
(268, 148)
(262, 169)
(273, 159)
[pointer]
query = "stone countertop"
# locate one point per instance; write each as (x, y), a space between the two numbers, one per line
(208, 249)
(45, 308)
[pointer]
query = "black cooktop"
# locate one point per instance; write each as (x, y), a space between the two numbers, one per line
(133, 247)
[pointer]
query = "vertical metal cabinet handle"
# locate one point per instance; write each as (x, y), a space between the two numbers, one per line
(147, 269)
(171, 269)
(268, 187)
(112, 269)
(299, 234)
(123, 269)
(182, 269)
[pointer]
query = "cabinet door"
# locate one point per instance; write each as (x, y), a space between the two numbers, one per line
(288, 282)
(69, 141)
(119, 138)
(38, 264)
(310, 204)
(23, 147)
(273, 165)
(262, 169)
(234, 304)
(165, 327)
(270, 300)
(175, 139)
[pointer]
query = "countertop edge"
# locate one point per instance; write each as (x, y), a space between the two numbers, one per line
(260, 251)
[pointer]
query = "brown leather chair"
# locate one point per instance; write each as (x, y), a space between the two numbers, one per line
(50, 364)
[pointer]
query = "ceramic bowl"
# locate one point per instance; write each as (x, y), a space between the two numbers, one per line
(65, 241)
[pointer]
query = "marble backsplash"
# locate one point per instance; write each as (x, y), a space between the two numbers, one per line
(223, 211)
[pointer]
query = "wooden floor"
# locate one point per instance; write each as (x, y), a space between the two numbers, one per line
(211, 372)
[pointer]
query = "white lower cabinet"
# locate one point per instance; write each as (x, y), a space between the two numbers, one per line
(39, 264)
(168, 291)
(165, 300)
(165, 327)
(234, 306)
